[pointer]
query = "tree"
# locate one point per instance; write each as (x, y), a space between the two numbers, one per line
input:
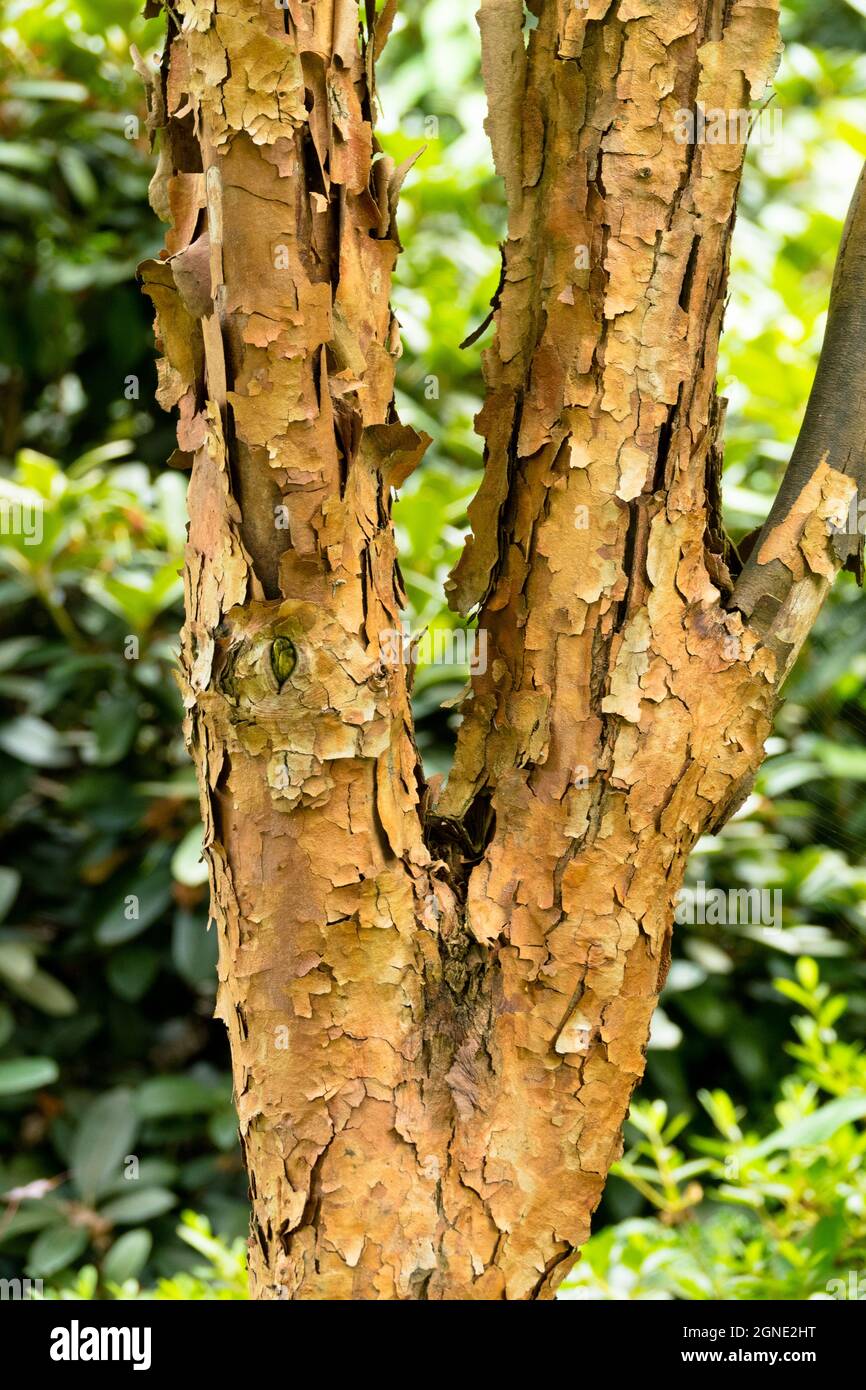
(438, 1000)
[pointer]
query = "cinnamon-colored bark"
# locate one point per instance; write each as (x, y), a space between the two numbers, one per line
(438, 1005)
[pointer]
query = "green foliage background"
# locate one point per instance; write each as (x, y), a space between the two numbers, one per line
(115, 1111)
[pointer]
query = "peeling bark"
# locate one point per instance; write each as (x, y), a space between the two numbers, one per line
(280, 349)
(438, 1009)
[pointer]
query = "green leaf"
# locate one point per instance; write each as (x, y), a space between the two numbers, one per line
(194, 949)
(131, 972)
(16, 155)
(145, 1205)
(812, 1130)
(127, 1257)
(187, 865)
(54, 1249)
(14, 649)
(45, 89)
(223, 1129)
(20, 198)
(10, 882)
(842, 760)
(17, 961)
(148, 1172)
(143, 899)
(102, 1141)
(76, 172)
(33, 741)
(164, 1096)
(27, 1074)
(32, 1216)
(45, 993)
(794, 992)
(115, 723)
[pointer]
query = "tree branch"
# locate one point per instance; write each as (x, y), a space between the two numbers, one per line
(808, 537)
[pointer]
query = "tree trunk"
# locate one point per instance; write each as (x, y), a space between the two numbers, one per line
(438, 1007)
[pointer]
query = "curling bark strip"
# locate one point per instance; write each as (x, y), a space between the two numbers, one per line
(438, 1001)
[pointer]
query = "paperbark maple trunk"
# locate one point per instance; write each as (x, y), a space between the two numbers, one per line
(438, 1001)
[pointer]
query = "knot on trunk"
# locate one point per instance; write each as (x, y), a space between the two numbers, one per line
(291, 685)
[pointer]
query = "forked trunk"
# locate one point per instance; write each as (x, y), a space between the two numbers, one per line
(439, 1001)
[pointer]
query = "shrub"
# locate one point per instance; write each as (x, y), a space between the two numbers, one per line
(775, 1216)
